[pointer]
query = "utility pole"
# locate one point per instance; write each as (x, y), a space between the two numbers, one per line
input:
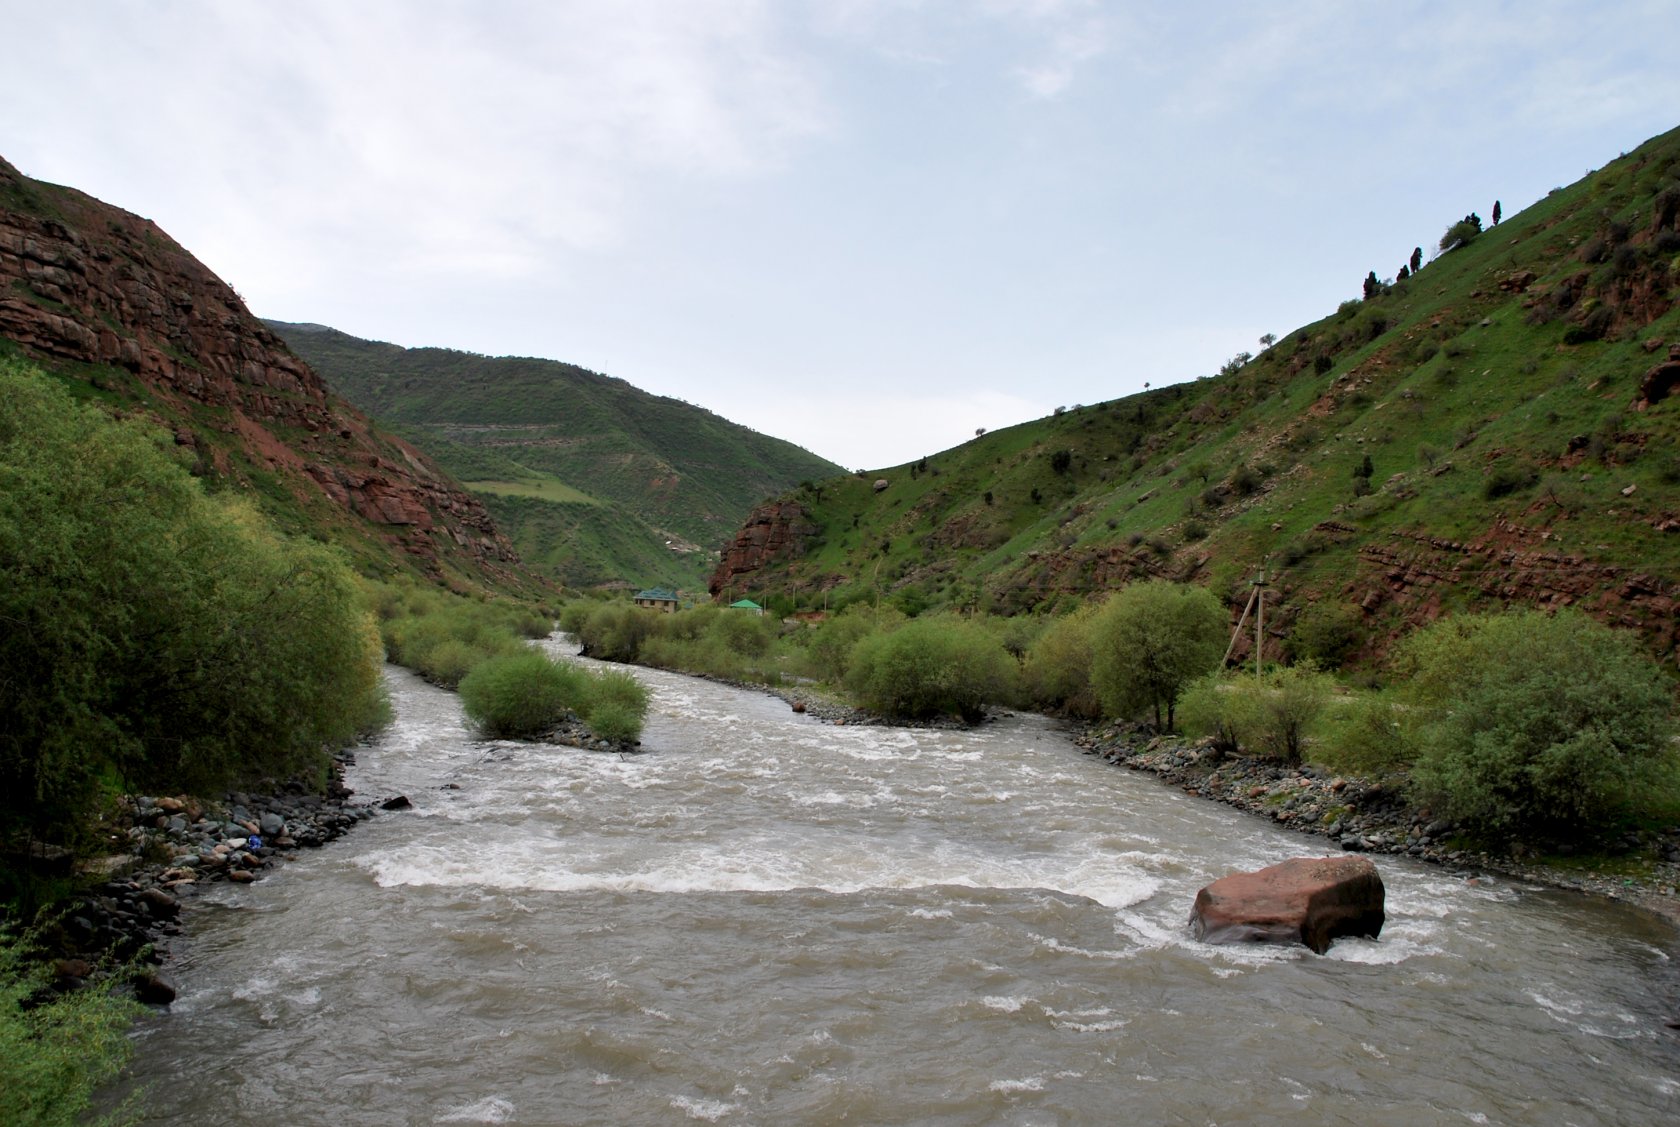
(1259, 618)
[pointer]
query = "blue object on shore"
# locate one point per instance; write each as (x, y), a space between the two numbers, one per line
(253, 842)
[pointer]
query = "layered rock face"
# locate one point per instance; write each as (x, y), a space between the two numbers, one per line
(82, 282)
(773, 531)
(1306, 900)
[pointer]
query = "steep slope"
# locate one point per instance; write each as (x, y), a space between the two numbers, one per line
(123, 313)
(1497, 428)
(594, 479)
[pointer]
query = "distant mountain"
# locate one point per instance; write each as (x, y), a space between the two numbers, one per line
(1498, 428)
(122, 313)
(595, 480)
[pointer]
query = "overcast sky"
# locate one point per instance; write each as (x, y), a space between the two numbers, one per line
(866, 226)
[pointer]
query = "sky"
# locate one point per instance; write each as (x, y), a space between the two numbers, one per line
(869, 227)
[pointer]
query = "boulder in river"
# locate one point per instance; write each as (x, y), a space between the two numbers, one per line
(1310, 900)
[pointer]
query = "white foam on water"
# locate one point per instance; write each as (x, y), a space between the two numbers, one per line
(709, 1110)
(1025, 1084)
(1002, 1004)
(931, 913)
(490, 1109)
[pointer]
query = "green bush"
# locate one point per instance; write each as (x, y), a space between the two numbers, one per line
(617, 703)
(55, 1049)
(1326, 634)
(931, 667)
(1368, 735)
(155, 638)
(1273, 715)
(1151, 640)
(520, 695)
(1057, 671)
(1537, 724)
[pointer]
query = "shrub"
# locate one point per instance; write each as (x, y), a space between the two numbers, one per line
(1271, 715)
(55, 1049)
(1151, 640)
(1538, 724)
(1369, 735)
(155, 637)
(1325, 634)
(515, 696)
(616, 702)
(930, 667)
(1057, 671)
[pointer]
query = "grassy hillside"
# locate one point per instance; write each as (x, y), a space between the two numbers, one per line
(593, 479)
(1493, 429)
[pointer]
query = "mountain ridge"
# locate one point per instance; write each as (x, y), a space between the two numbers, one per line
(559, 452)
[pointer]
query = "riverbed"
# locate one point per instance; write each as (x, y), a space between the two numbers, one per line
(763, 918)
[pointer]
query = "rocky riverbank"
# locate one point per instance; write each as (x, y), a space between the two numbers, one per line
(1364, 815)
(168, 849)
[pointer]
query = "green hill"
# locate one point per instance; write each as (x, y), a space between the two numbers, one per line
(1496, 428)
(122, 314)
(594, 480)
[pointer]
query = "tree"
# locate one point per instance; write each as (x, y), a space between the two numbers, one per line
(1373, 287)
(1538, 724)
(155, 638)
(1151, 640)
(1462, 233)
(1417, 259)
(1405, 272)
(1497, 211)
(1267, 340)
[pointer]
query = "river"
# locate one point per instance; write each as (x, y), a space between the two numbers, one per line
(765, 919)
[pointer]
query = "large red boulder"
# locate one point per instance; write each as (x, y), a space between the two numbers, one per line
(1310, 900)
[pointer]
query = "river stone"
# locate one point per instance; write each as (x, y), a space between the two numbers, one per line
(271, 825)
(1310, 900)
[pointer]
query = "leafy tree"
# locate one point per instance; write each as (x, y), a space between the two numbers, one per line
(1060, 461)
(1149, 641)
(1417, 259)
(154, 638)
(1538, 724)
(1497, 211)
(1267, 340)
(1372, 286)
(1405, 272)
(520, 695)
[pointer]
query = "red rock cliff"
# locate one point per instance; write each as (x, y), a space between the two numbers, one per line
(775, 530)
(82, 282)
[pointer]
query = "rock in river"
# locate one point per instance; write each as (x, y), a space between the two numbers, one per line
(1310, 900)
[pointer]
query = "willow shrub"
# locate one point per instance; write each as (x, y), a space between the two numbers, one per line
(1273, 715)
(1149, 641)
(1057, 669)
(55, 1049)
(1544, 725)
(931, 667)
(519, 695)
(616, 705)
(154, 638)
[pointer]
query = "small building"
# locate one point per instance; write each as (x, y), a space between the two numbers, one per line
(659, 599)
(747, 605)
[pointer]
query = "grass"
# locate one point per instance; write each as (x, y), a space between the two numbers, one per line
(543, 488)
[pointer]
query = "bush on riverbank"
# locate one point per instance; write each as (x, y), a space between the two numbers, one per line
(931, 667)
(1273, 715)
(1539, 724)
(156, 638)
(55, 1049)
(442, 636)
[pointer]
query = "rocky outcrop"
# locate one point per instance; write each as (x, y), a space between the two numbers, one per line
(774, 531)
(1417, 573)
(85, 283)
(1305, 900)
